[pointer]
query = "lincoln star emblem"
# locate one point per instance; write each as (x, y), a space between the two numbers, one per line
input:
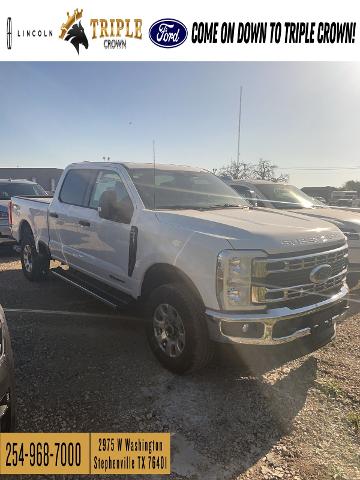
(320, 274)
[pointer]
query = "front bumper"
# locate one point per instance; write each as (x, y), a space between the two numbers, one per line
(269, 327)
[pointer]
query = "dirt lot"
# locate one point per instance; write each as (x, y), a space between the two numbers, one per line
(80, 368)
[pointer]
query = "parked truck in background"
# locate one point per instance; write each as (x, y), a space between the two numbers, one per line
(282, 196)
(9, 188)
(344, 195)
(207, 266)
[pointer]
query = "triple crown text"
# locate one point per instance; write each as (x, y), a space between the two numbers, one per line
(116, 27)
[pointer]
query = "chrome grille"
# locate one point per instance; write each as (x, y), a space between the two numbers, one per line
(281, 279)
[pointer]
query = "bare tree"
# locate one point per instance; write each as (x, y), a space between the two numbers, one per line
(263, 170)
(237, 170)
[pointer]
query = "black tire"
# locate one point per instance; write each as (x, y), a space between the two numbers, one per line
(39, 264)
(196, 348)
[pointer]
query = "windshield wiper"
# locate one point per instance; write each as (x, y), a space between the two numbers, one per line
(201, 207)
(225, 205)
(180, 207)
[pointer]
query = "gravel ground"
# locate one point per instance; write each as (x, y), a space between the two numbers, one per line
(95, 372)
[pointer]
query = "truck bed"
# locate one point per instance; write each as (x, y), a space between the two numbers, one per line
(33, 211)
(46, 199)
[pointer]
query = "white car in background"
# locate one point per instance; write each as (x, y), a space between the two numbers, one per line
(9, 188)
(280, 196)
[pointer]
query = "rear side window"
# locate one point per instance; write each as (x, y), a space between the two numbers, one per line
(76, 186)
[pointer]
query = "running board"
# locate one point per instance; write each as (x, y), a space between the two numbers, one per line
(115, 299)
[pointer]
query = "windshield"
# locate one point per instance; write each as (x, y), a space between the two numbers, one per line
(286, 196)
(13, 189)
(176, 189)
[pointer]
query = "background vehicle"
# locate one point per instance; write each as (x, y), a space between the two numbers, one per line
(5, 231)
(338, 195)
(344, 202)
(321, 200)
(9, 188)
(207, 266)
(288, 197)
(7, 403)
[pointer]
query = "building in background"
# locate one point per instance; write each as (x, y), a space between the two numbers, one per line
(46, 177)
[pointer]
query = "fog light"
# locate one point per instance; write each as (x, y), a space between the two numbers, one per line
(242, 329)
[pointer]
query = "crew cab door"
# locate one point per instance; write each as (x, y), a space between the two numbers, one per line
(105, 244)
(68, 208)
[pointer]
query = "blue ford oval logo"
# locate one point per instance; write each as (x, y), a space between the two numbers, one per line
(168, 33)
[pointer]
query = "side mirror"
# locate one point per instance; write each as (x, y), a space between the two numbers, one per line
(110, 209)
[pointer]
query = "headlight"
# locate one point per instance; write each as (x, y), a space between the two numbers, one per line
(350, 233)
(233, 279)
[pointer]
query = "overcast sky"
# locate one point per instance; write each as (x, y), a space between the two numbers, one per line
(297, 115)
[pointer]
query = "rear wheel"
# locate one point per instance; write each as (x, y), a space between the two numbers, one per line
(35, 265)
(177, 329)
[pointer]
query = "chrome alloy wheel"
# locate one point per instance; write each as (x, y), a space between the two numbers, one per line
(169, 330)
(27, 257)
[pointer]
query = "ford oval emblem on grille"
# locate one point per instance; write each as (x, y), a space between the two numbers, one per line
(168, 33)
(320, 274)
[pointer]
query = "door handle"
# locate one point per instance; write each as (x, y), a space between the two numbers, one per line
(53, 215)
(84, 223)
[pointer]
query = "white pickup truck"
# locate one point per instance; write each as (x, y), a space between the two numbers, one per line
(208, 267)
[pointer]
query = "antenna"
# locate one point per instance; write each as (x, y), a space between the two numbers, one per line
(154, 174)
(238, 145)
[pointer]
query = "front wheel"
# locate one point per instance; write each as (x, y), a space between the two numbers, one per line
(177, 330)
(34, 265)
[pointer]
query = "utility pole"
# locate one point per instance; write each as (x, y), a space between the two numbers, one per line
(238, 145)
(154, 173)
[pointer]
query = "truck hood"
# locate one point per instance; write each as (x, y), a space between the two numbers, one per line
(270, 230)
(334, 215)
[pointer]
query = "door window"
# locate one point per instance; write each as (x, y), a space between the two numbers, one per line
(75, 187)
(109, 185)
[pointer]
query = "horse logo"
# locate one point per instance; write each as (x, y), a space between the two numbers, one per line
(77, 36)
(73, 30)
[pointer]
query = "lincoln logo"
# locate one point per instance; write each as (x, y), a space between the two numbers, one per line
(320, 274)
(9, 33)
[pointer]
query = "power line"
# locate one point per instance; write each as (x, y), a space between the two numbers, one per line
(319, 168)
